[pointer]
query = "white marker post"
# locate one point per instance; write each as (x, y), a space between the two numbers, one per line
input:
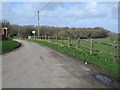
(33, 33)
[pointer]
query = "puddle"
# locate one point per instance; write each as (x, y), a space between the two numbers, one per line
(103, 79)
(83, 67)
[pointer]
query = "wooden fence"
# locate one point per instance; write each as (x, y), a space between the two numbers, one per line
(78, 45)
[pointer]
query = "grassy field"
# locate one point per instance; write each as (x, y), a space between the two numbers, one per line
(100, 60)
(98, 46)
(8, 45)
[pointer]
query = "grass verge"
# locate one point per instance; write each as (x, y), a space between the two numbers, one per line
(106, 65)
(8, 45)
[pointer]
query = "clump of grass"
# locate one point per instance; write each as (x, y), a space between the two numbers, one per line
(95, 59)
(8, 45)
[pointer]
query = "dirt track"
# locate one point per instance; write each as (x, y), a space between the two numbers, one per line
(36, 66)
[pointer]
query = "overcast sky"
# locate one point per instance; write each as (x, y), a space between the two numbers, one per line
(63, 14)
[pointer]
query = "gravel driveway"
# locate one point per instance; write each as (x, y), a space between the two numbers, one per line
(36, 66)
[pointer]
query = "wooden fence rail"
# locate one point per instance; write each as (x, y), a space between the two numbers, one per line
(78, 45)
(110, 44)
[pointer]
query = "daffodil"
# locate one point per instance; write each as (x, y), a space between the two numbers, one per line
(101, 52)
(68, 45)
(81, 50)
(90, 51)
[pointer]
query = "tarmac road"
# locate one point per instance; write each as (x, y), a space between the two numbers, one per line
(36, 66)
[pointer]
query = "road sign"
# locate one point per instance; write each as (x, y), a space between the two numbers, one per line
(33, 32)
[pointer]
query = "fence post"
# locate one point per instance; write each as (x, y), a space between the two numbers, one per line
(34, 35)
(42, 37)
(56, 39)
(48, 37)
(69, 42)
(45, 37)
(78, 43)
(53, 39)
(62, 39)
(91, 46)
(113, 54)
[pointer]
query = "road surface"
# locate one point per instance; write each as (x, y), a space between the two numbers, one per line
(36, 66)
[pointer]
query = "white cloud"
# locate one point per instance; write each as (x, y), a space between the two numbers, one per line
(81, 14)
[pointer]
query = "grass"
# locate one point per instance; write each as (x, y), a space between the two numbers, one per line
(96, 45)
(8, 45)
(99, 46)
(98, 59)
